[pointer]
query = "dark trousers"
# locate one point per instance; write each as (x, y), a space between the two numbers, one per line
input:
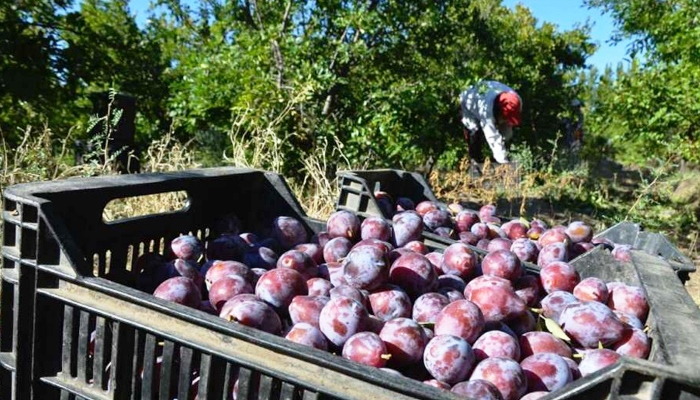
(475, 144)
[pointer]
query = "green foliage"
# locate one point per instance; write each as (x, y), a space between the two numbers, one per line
(29, 85)
(53, 55)
(384, 75)
(381, 77)
(650, 109)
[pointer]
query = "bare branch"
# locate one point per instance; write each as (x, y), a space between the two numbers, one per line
(256, 15)
(285, 18)
(248, 16)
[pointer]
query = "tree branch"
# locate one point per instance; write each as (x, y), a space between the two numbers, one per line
(248, 16)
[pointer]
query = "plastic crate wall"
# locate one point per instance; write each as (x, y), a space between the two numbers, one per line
(73, 327)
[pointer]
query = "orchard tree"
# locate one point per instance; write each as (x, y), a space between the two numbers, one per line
(383, 77)
(105, 49)
(30, 52)
(654, 101)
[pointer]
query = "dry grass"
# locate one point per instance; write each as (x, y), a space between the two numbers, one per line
(496, 181)
(164, 155)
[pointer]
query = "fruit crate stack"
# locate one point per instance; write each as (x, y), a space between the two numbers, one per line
(79, 319)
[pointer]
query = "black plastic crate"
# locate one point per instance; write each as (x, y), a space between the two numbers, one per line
(356, 194)
(357, 189)
(651, 242)
(66, 273)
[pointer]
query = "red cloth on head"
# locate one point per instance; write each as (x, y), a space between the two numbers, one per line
(509, 103)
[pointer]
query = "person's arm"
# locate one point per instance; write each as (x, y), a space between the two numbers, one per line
(506, 131)
(495, 141)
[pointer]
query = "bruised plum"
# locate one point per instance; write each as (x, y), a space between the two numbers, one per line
(460, 318)
(496, 344)
(253, 313)
(543, 342)
(405, 340)
(307, 335)
(375, 228)
(515, 229)
(366, 267)
(289, 232)
(427, 307)
(336, 249)
(366, 348)
(591, 324)
(503, 264)
(465, 219)
(546, 372)
(596, 359)
(341, 318)
(187, 247)
(414, 273)
(226, 288)
(458, 259)
(554, 303)
(591, 289)
(425, 206)
(525, 249)
(416, 246)
(506, 374)
(559, 275)
(307, 309)
(629, 299)
(279, 286)
(220, 269)
(498, 244)
(497, 302)
(449, 358)
(408, 226)
(434, 219)
(485, 280)
(389, 302)
(343, 224)
(635, 343)
(319, 287)
(553, 235)
(314, 250)
(551, 253)
(300, 262)
(180, 290)
(487, 211)
(345, 290)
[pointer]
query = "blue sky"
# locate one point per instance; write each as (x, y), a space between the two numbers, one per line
(563, 13)
(567, 13)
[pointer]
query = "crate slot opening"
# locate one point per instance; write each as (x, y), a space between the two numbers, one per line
(29, 214)
(9, 235)
(634, 383)
(140, 206)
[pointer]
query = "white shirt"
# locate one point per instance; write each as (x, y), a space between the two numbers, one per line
(477, 112)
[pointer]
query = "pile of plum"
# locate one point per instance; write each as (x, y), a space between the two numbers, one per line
(467, 320)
